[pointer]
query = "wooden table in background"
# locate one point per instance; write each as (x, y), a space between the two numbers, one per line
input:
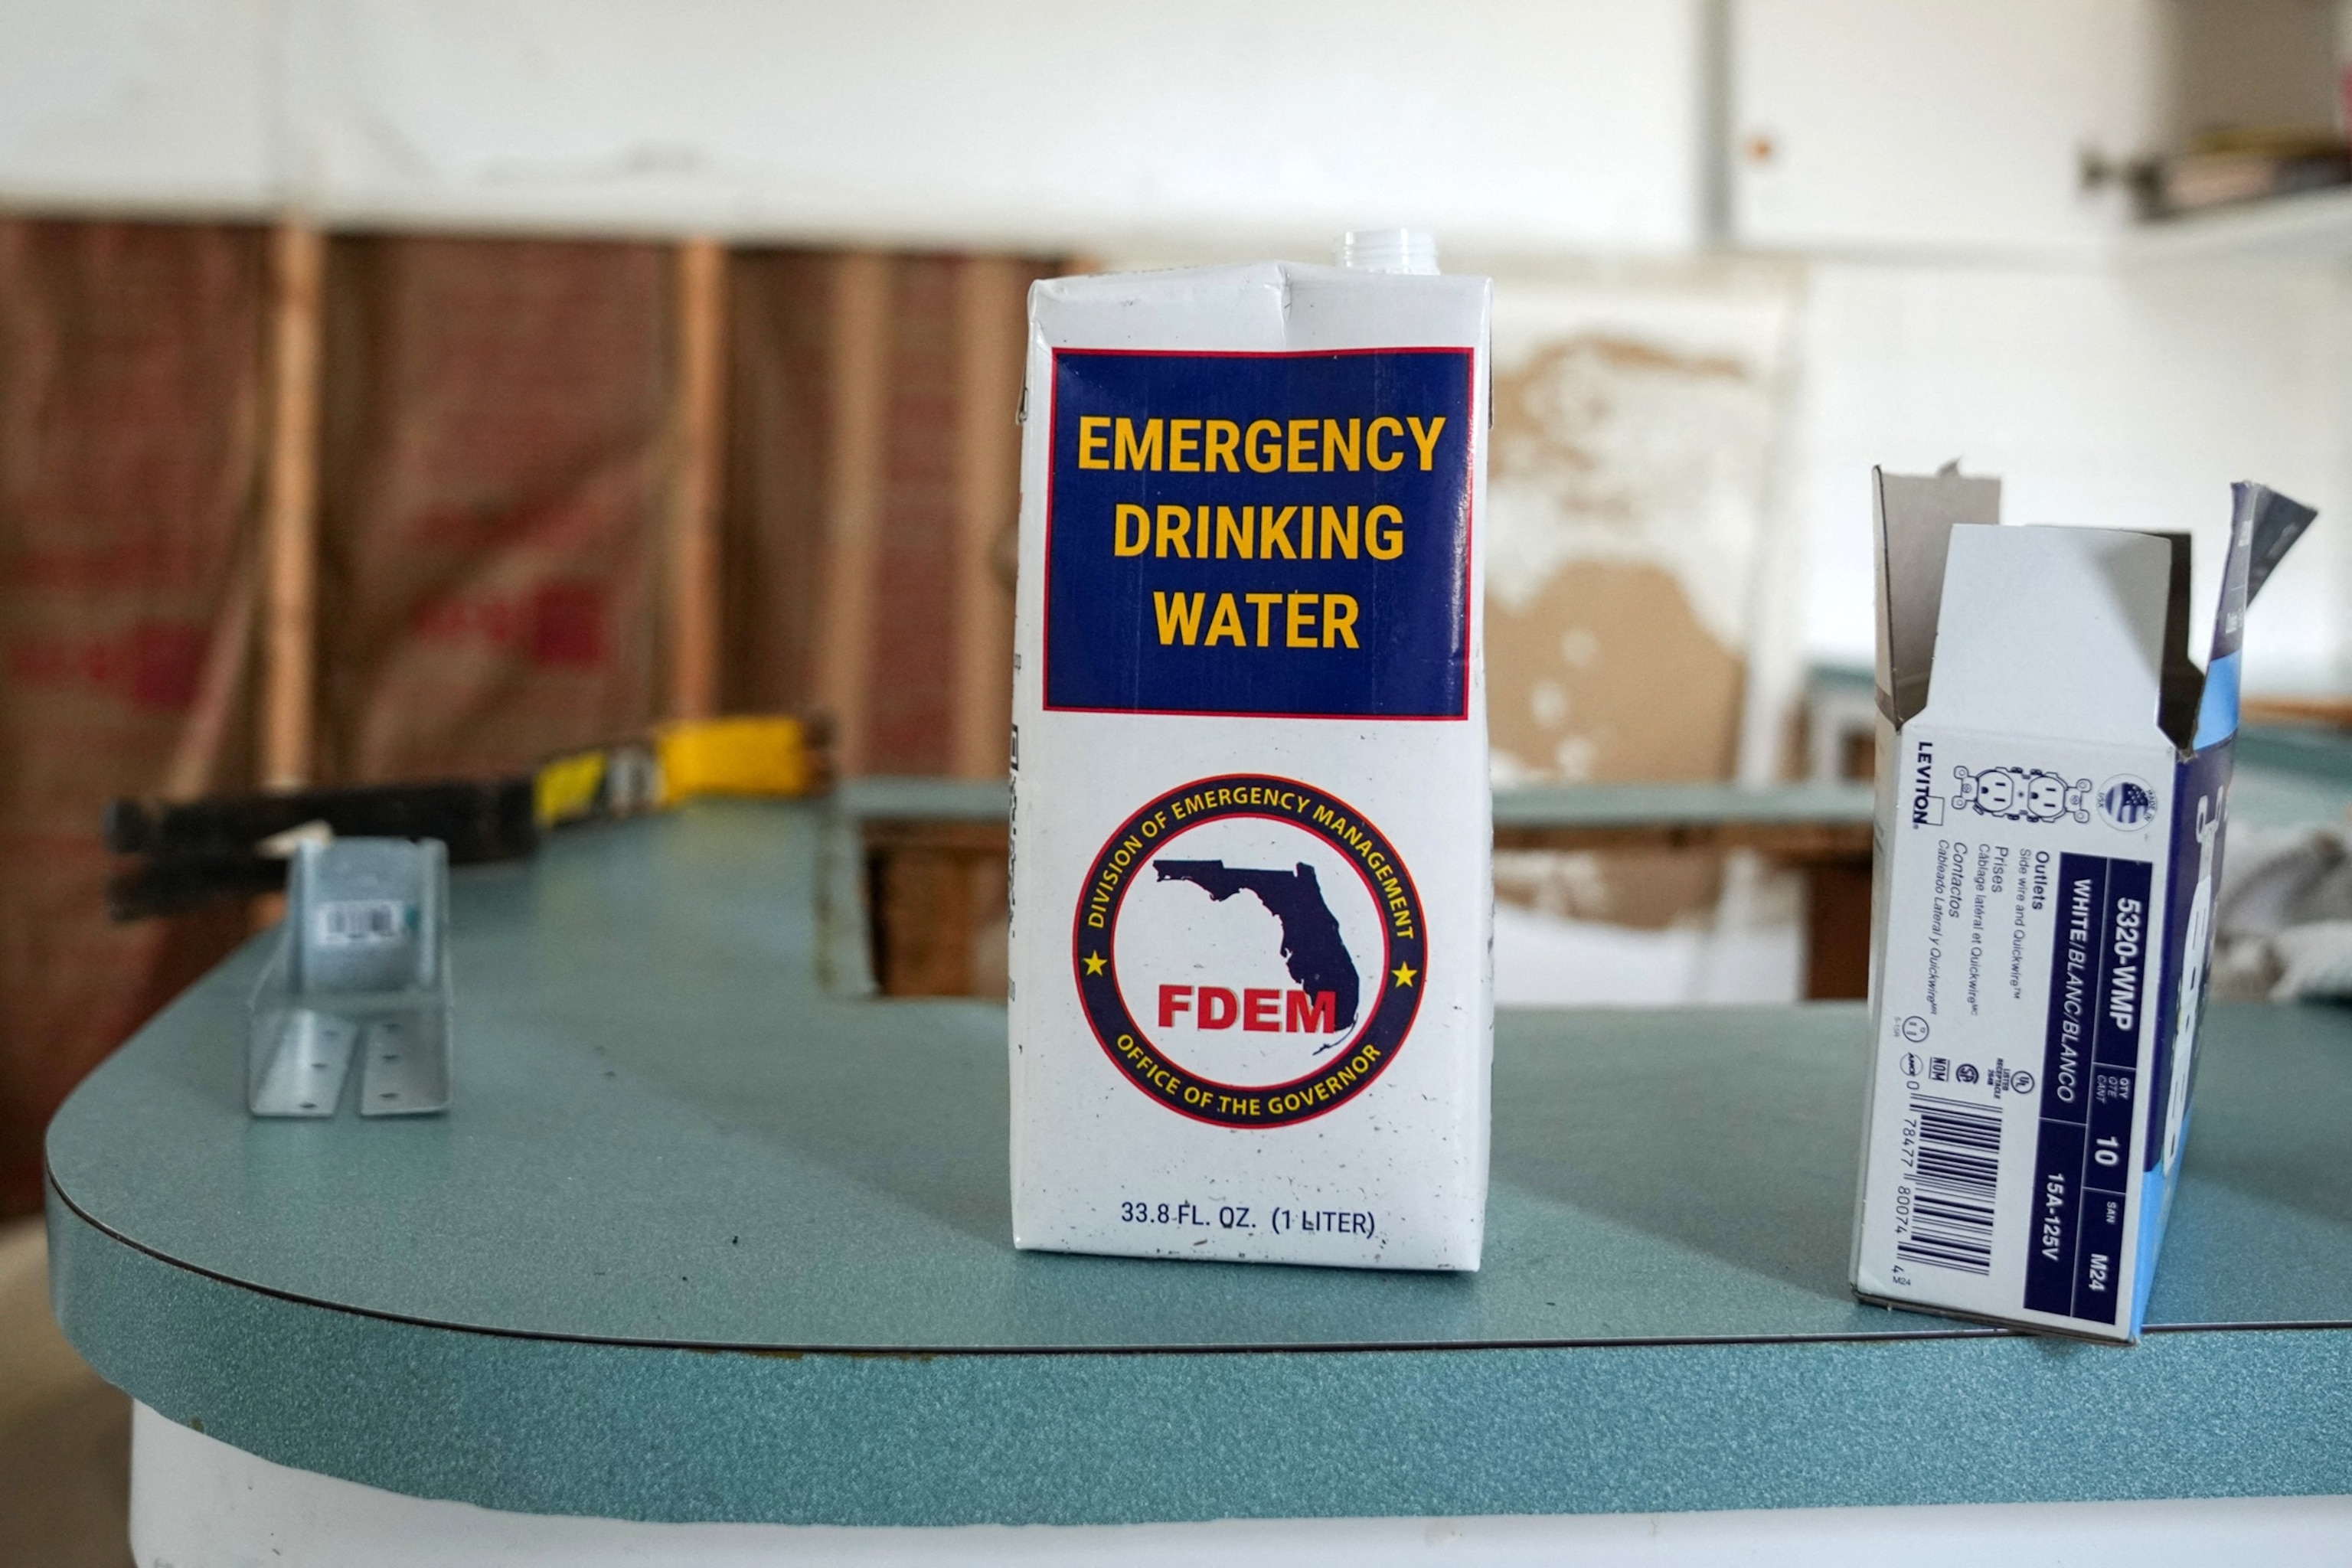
(928, 847)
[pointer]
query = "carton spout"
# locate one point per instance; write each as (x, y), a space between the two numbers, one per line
(1407, 250)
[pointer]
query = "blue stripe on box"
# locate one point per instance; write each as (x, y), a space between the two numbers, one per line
(2056, 1223)
(2099, 965)
(2217, 713)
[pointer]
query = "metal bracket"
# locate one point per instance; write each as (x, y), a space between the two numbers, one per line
(361, 968)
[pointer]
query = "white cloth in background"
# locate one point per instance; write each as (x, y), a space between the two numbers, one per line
(2283, 918)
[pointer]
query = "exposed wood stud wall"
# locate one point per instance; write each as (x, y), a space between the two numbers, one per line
(404, 505)
(854, 477)
(990, 345)
(699, 452)
(289, 526)
(220, 684)
(772, 508)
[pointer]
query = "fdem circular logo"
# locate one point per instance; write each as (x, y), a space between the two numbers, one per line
(1249, 951)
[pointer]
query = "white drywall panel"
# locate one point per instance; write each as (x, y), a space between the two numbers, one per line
(1048, 122)
(136, 104)
(1043, 120)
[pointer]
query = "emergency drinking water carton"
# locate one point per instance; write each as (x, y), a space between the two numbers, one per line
(1250, 997)
(2054, 780)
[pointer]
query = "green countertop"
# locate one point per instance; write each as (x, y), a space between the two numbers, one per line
(666, 1133)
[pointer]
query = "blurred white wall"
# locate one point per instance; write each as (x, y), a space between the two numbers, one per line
(1916, 167)
(2120, 396)
(1789, 238)
(1929, 125)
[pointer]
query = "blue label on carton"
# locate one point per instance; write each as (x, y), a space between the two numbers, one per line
(1279, 534)
(2103, 958)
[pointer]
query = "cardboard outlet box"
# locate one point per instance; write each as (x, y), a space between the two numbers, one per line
(1250, 1003)
(2054, 780)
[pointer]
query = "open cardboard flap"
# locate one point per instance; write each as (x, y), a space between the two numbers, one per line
(2052, 631)
(2263, 526)
(2072, 633)
(1915, 516)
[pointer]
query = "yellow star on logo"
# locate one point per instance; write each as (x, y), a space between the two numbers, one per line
(1094, 963)
(1403, 974)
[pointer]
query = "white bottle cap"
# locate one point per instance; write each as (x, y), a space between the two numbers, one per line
(1388, 251)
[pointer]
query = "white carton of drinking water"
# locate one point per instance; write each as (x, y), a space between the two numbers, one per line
(2053, 779)
(1251, 1004)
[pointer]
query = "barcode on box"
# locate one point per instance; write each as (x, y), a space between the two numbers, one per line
(1955, 1179)
(360, 923)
